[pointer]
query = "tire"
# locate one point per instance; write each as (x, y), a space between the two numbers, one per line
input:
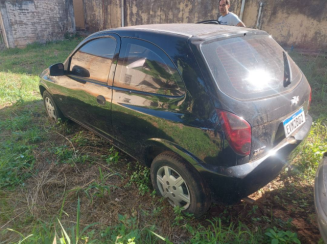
(181, 184)
(52, 110)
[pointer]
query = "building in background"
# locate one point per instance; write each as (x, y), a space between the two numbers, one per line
(295, 23)
(27, 21)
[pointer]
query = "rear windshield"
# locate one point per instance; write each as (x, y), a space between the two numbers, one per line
(250, 67)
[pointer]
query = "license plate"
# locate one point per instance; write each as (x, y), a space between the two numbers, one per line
(294, 122)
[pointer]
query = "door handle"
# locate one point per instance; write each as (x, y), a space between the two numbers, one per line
(101, 100)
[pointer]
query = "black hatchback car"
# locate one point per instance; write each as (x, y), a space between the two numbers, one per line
(215, 111)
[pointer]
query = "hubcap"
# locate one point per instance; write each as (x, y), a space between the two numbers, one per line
(50, 108)
(173, 187)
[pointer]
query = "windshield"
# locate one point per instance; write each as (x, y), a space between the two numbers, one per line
(250, 67)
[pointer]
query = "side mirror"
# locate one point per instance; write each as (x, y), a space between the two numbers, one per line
(57, 69)
(80, 71)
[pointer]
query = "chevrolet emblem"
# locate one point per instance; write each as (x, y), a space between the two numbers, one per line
(295, 100)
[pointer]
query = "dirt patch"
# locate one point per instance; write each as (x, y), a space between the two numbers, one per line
(292, 203)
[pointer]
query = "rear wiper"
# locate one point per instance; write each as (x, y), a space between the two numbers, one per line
(287, 71)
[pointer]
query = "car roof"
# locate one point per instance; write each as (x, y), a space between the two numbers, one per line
(198, 31)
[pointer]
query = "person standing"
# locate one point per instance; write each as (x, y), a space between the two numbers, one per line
(228, 18)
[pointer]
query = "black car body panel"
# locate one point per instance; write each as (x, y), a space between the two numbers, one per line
(182, 116)
(320, 194)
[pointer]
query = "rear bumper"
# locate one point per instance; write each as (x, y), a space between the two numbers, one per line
(231, 184)
(320, 194)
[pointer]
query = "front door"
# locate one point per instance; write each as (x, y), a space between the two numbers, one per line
(85, 93)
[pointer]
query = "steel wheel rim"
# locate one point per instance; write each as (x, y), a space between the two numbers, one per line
(172, 186)
(50, 108)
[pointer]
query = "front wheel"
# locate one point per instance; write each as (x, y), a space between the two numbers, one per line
(181, 184)
(51, 108)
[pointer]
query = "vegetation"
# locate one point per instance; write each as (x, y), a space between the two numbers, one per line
(60, 183)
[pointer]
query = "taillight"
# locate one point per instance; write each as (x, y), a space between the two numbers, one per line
(310, 97)
(237, 131)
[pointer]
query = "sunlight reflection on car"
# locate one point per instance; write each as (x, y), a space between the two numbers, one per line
(259, 78)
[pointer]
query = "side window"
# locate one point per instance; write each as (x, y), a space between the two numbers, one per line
(93, 60)
(145, 67)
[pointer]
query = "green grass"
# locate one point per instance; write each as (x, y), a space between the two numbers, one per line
(18, 140)
(141, 178)
(310, 155)
(57, 180)
(36, 57)
(14, 87)
(314, 68)
(20, 69)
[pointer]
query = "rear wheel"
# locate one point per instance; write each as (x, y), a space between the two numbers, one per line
(51, 108)
(182, 185)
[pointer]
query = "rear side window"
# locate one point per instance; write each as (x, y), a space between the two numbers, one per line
(145, 67)
(249, 67)
(93, 60)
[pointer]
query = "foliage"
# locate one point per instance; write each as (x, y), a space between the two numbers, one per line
(76, 235)
(20, 69)
(278, 236)
(48, 233)
(314, 68)
(17, 88)
(16, 149)
(180, 216)
(310, 154)
(217, 233)
(100, 189)
(22, 236)
(141, 178)
(113, 156)
(123, 232)
(79, 139)
(63, 152)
